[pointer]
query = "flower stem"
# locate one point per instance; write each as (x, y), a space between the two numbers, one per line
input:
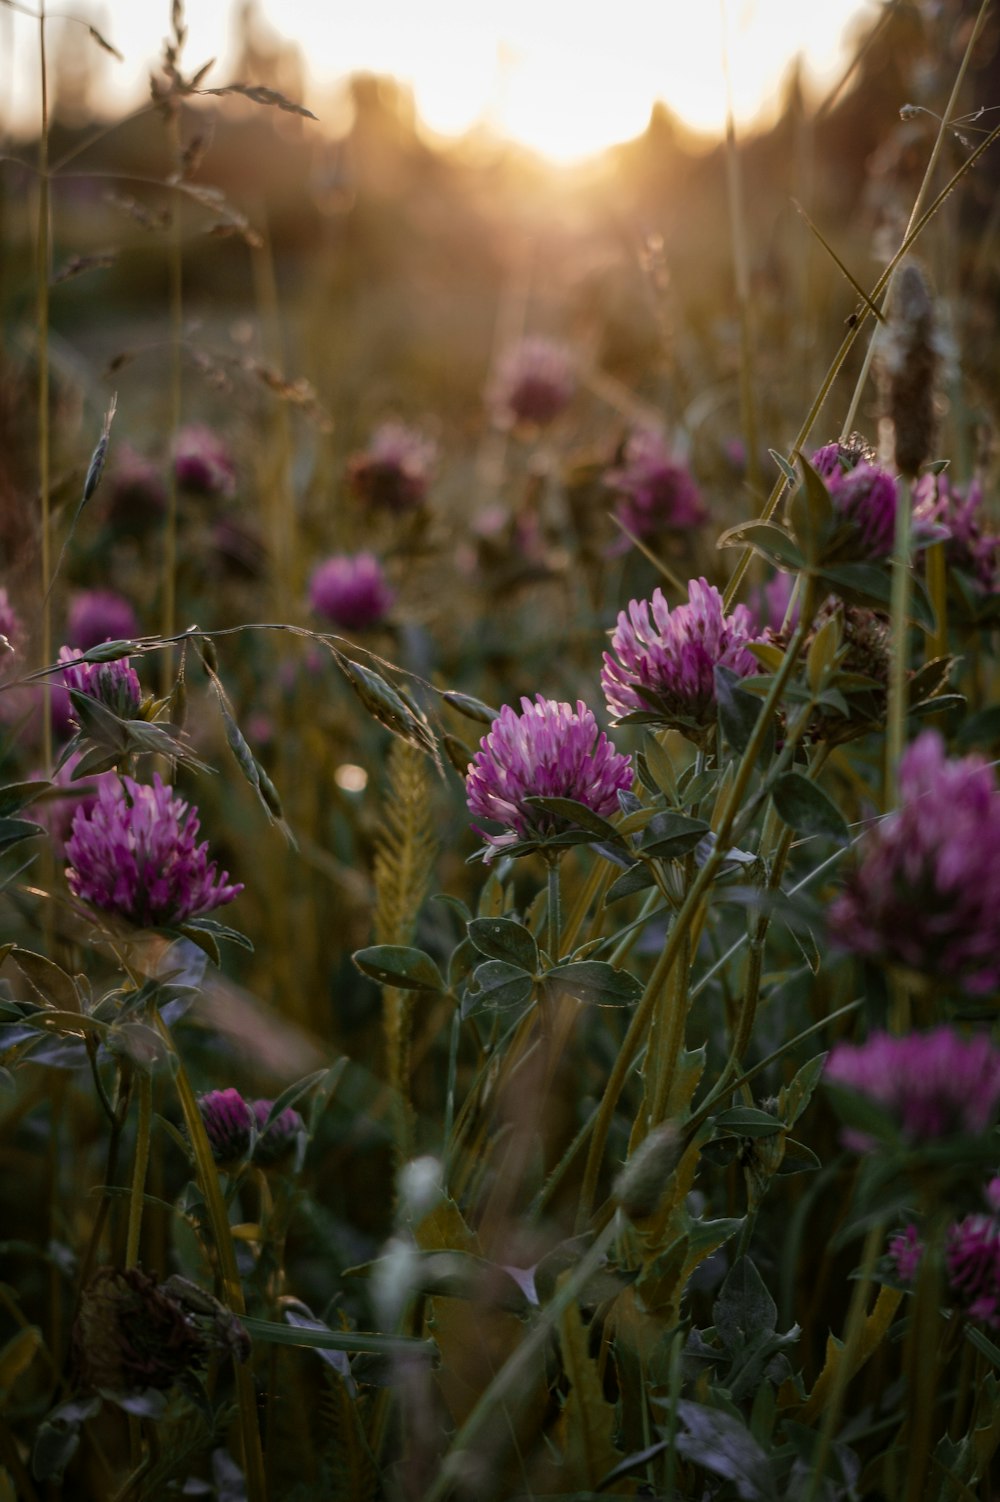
(555, 910)
(44, 480)
(688, 915)
(176, 273)
(512, 1380)
(849, 1357)
(232, 1288)
(900, 608)
(139, 1167)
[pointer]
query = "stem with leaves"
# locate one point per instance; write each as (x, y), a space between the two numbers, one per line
(690, 912)
(231, 1286)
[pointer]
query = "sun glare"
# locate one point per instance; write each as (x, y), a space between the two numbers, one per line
(566, 78)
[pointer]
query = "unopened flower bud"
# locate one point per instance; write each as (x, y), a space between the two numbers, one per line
(641, 1182)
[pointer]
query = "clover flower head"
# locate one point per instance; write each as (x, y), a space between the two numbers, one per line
(229, 1124)
(865, 497)
(842, 456)
(274, 1142)
(662, 662)
(395, 469)
(959, 512)
(972, 1258)
(11, 628)
(905, 1252)
(114, 684)
(351, 591)
(926, 891)
(548, 750)
(656, 493)
(769, 603)
(931, 1084)
(133, 852)
(534, 382)
(203, 462)
(99, 615)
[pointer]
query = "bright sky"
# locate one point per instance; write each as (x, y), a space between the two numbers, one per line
(566, 77)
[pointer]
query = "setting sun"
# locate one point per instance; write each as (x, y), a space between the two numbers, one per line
(564, 80)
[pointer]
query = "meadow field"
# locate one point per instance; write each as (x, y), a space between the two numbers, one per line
(499, 825)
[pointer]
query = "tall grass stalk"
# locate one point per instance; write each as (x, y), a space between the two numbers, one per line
(923, 190)
(175, 274)
(42, 259)
(899, 614)
(741, 268)
(836, 364)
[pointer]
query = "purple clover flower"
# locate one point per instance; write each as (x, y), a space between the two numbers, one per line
(132, 852)
(280, 1137)
(114, 684)
(931, 1084)
(905, 1252)
(969, 546)
(229, 1124)
(394, 471)
(926, 891)
(548, 750)
(534, 383)
(11, 627)
(351, 591)
(769, 603)
(656, 494)
(972, 1257)
(665, 659)
(99, 615)
(203, 462)
(865, 498)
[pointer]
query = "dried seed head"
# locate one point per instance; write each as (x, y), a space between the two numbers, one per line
(641, 1182)
(911, 353)
(96, 467)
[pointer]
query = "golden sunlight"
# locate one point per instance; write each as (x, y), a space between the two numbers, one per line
(566, 78)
